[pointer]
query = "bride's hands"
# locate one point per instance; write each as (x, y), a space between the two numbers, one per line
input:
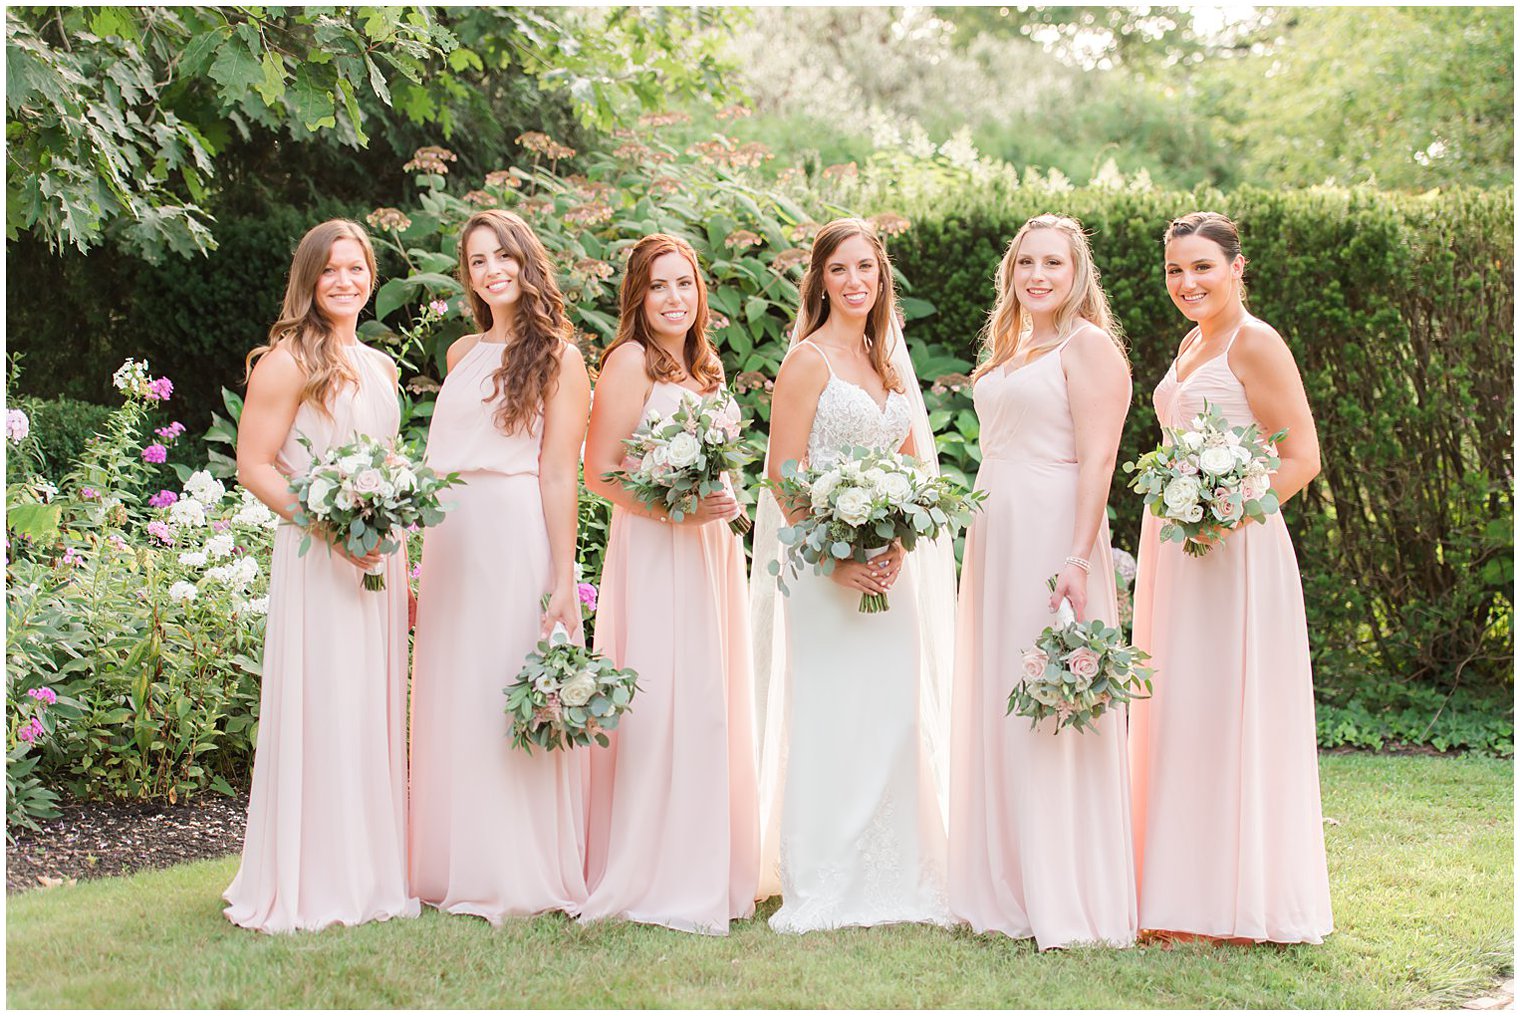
(874, 576)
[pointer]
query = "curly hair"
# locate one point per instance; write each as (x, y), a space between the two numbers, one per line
(302, 328)
(529, 371)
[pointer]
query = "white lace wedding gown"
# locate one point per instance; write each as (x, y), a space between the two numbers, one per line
(862, 838)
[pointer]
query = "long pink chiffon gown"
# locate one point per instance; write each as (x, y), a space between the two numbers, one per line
(1228, 835)
(1039, 821)
(494, 832)
(674, 818)
(326, 836)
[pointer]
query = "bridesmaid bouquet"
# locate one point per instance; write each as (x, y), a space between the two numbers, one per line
(1207, 480)
(566, 695)
(861, 504)
(683, 456)
(1077, 672)
(364, 491)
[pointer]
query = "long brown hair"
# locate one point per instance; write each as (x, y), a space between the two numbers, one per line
(1009, 322)
(701, 359)
(529, 371)
(815, 308)
(302, 327)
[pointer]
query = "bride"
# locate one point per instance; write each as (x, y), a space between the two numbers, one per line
(854, 738)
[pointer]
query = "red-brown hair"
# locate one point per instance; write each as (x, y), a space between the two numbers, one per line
(702, 362)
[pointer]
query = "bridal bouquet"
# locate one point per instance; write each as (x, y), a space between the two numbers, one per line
(1077, 672)
(566, 695)
(1207, 480)
(862, 504)
(684, 456)
(363, 492)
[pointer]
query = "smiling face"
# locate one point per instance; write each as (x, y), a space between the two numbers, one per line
(343, 286)
(671, 299)
(1044, 271)
(493, 272)
(852, 277)
(1202, 281)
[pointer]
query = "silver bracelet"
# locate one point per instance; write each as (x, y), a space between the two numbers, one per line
(1080, 562)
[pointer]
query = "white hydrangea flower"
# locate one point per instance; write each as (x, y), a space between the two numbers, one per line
(258, 605)
(219, 546)
(193, 558)
(187, 512)
(182, 591)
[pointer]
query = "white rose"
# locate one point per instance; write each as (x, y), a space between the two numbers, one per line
(1217, 460)
(1254, 486)
(578, 690)
(873, 476)
(1192, 440)
(714, 436)
(683, 450)
(1241, 452)
(661, 455)
(350, 464)
(1193, 513)
(1181, 492)
(319, 494)
(406, 479)
(853, 506)
(823, 487)
(896, 488)
(343, 499)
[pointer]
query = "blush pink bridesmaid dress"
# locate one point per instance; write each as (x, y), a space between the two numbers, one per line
(1039, 821)
(326, 836)
(1228, 835)
(494, 832)
(674, 816)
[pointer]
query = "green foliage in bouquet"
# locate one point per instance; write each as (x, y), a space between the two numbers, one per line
(567, 696)
(684, 456)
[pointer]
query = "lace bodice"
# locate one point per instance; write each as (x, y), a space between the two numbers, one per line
(847, 417)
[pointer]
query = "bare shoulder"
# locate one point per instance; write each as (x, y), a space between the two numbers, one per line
(1091, 347)
(278, 369)
(626, 359)
(1259, 347)
(803, 367)
(572, 360)
(459, 347)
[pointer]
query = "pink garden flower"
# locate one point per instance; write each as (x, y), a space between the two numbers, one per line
(156, 453)
(161, 532)
(159, 389)
(171, 432)
(116, 542)
(70, 556)
(89, 493)
(217, 525)
(439, 307)
(163, 499)
(1034, 664)
(31, 731)
(45, 695)
(587, 594)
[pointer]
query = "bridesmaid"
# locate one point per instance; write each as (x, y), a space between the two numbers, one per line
(496, 832)
(1228, 836)
(674, 828)
(325, 842)
(1039, 822)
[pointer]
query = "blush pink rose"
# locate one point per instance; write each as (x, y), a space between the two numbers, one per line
(1034, 664)
(367, 481)
(1083, 663)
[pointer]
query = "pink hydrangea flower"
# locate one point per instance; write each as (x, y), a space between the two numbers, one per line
(159, 389)
(161, 532)
(44, 695)
(587, 593)
(163, 499)
(155, 452)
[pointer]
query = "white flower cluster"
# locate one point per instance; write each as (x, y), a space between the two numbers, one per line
(132, 378)
(199, 510)
(17, 425)
(855, 491)
(1215, 469)
(669, 444)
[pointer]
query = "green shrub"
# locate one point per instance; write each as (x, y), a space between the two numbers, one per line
(62, 427)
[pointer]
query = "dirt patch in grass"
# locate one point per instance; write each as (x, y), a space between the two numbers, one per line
(94, 839)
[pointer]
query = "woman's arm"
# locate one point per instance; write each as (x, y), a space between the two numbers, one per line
(1098, 391)
(794, 403)
(269, 411)
(558, 458)
(621, 390)
(1275, 391)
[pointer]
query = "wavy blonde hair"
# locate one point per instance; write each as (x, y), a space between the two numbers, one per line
(815, 308)
(529, 371)
(302, 327)
(1008, 323)
(701, 358)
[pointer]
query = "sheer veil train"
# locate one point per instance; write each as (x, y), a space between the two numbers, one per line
(933, 566)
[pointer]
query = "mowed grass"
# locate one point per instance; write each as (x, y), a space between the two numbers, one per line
(1421, 878)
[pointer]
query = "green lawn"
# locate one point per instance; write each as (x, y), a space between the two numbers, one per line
(1421, 877)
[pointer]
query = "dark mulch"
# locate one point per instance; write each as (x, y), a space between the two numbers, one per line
(93, 839)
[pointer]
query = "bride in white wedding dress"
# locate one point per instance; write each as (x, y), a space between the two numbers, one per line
(853, 748)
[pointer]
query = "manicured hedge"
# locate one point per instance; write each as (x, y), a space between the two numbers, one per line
(1399, 310)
